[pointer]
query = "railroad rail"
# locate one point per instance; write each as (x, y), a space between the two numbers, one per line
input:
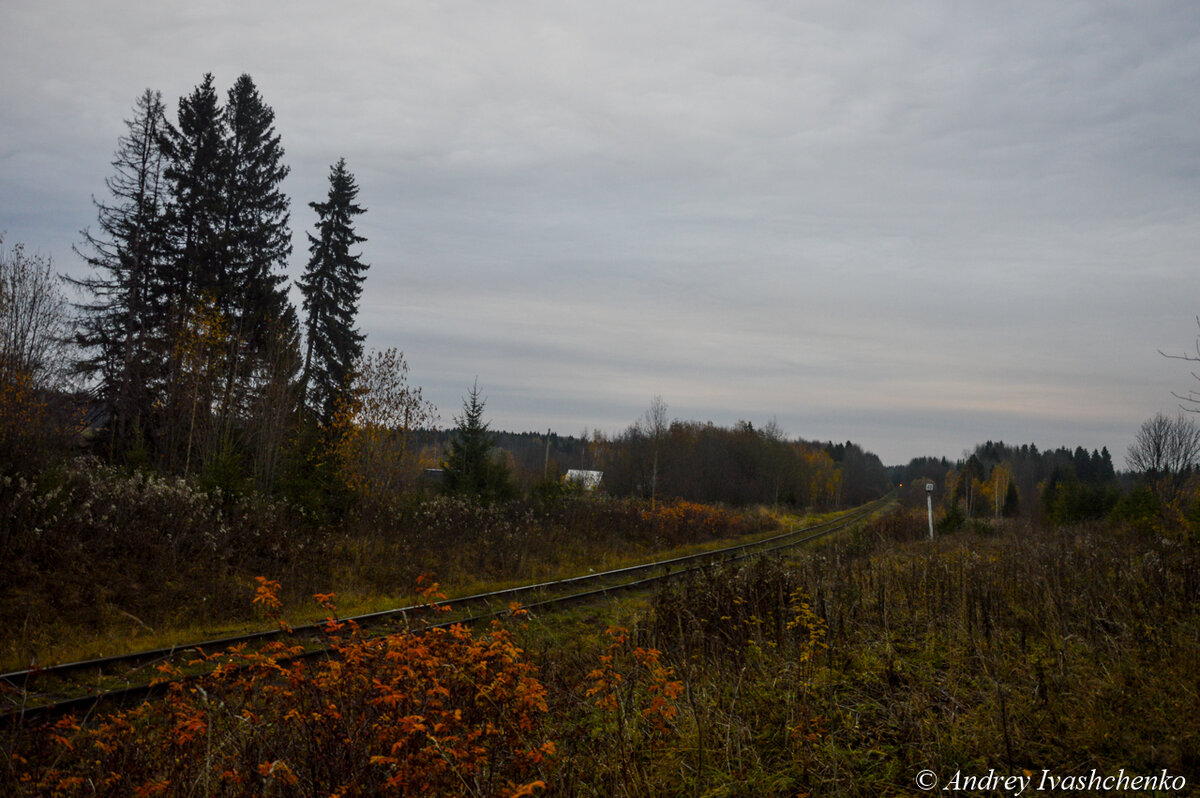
(37, 694)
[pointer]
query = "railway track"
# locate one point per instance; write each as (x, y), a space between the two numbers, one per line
(41, 694)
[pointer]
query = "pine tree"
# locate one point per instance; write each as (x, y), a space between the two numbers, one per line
(331, 286)
(116, 325)
(470, 468)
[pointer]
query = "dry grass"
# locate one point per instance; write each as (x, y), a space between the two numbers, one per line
(844, 671)
(849, 670)
(100, 561)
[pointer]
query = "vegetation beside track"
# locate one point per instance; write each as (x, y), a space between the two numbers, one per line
(842, 670)
(53, 691)
(100, 561)
(849, 669)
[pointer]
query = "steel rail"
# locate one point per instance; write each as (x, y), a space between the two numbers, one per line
(691, 563)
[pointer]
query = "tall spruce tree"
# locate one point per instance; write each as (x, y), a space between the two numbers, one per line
(229, 240)
(257, 237)
(194, 273)
(197, 171)
(116, 324)
(264, 364)
(331, 286)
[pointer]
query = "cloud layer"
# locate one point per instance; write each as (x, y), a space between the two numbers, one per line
(918, 226)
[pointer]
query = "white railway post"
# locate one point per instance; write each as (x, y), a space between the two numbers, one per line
(929, 504)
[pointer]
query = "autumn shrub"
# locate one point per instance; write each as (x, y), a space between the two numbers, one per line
(666, 702)
(744, 641)
(445, 712)
(372, 429)
(614, 705)
(630, 707)
(683, 520)
(464, 540)
(897, 526)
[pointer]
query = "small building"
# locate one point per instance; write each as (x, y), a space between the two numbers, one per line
(588, 480)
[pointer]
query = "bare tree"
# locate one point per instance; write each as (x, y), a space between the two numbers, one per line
(1166, 450)
(654, 424)
(34, 359)
(33, 320)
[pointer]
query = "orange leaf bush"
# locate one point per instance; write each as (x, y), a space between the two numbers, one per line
(684, 521)
(446, 712)
(632, 683)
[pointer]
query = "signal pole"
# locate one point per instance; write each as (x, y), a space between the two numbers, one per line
(929, 504)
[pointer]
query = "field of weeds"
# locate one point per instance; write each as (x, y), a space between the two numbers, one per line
(99, 560)
(847, 669)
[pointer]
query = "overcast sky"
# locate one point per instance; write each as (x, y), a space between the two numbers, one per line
(916, 225)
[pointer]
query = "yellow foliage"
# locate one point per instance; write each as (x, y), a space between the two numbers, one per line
(373, 426)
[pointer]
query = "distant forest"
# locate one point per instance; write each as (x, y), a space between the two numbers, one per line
(697, 461)
(1000, 480)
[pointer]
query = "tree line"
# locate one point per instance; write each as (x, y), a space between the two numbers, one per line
(1160, 489)
(658, 459)
(1001, 480)
(740, 465)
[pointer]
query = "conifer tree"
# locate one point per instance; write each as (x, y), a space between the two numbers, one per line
(229, 240)
(194, 273)
(116, 325)
(470, 468)
(331, 286)
(257, 236)
(256, 243)
(196, 173)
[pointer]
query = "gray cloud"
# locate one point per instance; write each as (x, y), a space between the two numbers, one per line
(918, 225)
